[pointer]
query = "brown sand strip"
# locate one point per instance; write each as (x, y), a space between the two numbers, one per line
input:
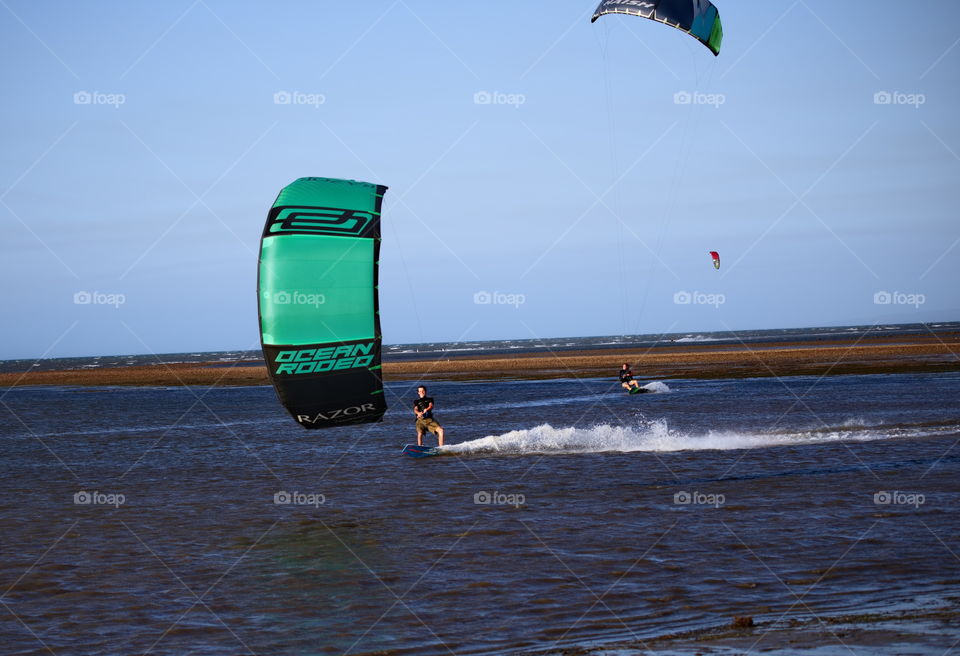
(874, 355)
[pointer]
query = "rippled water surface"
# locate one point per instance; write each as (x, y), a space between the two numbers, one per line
(564, 513)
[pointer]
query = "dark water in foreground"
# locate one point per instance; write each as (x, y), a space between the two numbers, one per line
(612, 517)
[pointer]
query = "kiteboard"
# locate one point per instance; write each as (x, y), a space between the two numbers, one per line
(639, 390)
(417, 451)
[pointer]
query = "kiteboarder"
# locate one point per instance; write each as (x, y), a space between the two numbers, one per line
(423, 408)
(626, 378)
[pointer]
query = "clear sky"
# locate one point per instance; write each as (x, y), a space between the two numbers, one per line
(577, 174)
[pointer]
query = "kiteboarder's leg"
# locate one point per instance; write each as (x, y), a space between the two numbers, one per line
(432, 426)
(419, 432)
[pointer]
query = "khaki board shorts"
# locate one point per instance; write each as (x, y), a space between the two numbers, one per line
(428, 425)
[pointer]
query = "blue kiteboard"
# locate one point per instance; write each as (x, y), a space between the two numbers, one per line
(415, 451)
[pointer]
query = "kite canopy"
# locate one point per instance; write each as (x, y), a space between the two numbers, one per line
(698, 18)
(716, 259)
(319, 309)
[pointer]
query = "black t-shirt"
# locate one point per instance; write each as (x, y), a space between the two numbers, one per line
(625, 375)
(425, 402)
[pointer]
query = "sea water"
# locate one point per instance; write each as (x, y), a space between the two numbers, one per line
(511, 347)
(564, 513)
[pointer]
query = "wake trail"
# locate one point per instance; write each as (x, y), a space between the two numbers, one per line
(655, 436)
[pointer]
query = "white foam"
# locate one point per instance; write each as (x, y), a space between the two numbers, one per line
(656, 436)
(651, 436)
(657, 387)
(697, 338)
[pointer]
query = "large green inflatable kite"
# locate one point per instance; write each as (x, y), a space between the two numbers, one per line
(319, 308)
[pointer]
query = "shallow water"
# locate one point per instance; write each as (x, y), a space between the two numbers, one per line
(510, 347)
(567, 513)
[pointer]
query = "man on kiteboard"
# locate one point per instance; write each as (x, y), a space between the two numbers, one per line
(626, 379)
(423, 408)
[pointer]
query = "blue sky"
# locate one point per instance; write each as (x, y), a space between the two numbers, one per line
(575, 175)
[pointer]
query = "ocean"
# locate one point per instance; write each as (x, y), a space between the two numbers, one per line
(434, 350)
(566, 517)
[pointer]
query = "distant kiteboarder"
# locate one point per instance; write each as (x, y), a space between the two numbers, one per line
(627, 381)
(423, 408)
